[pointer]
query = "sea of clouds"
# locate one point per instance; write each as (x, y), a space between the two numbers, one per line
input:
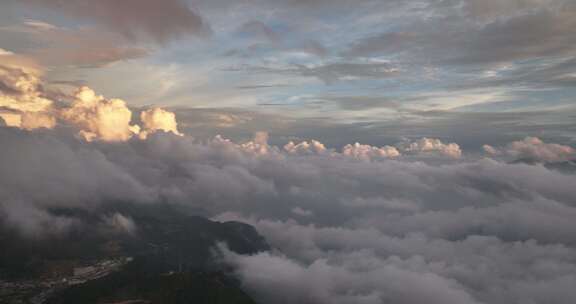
(355, 225)
(419, 221)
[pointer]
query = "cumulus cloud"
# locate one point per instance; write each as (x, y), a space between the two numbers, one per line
(100, 118)
(534, 149)
(157, 119)
(490, 150)
(22, 100)
(259, 144)
(24, 104)
(425, 147)
(434, 146)
(367, 152)
(312, 147)
(149, 20)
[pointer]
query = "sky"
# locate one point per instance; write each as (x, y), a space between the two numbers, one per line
(462, 70)
(405, 152)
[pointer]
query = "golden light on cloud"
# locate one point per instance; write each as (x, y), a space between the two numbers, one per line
(99, 118)
(24, 105)
(157, 119)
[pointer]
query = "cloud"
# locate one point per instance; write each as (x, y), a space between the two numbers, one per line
(337, 71)
(259, 144)
(273, 277)
(149, 20)
(35, 223)
(555, 74)
(535, 150)
(360, 103)
(330, 73)
(302, 212)
(51, 45)
(423, 148)
(120, 223)
(422, 221)
(434, 146)
(260, 30)
(491, 9)
(24, 104)
(541, 29)
(98, 118)
(372, 266)
(460, 231)
(264, 38)
(4, 52)
(22, 101)
(157, 119)
(490, 150)
(367, 152)
(314, 147)
(51, 171)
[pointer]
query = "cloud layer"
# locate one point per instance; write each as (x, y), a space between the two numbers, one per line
(148, 20)
(348, 229)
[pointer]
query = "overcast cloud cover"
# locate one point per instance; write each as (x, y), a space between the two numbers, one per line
(391, 151)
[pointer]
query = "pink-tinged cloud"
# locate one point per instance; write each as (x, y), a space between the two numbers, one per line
(534, 148)
(367, 152)
(142, 20)
(51, 45)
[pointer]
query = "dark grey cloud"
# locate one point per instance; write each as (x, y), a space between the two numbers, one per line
(149, 20)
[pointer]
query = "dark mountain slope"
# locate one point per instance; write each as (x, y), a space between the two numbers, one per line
(167, 256)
